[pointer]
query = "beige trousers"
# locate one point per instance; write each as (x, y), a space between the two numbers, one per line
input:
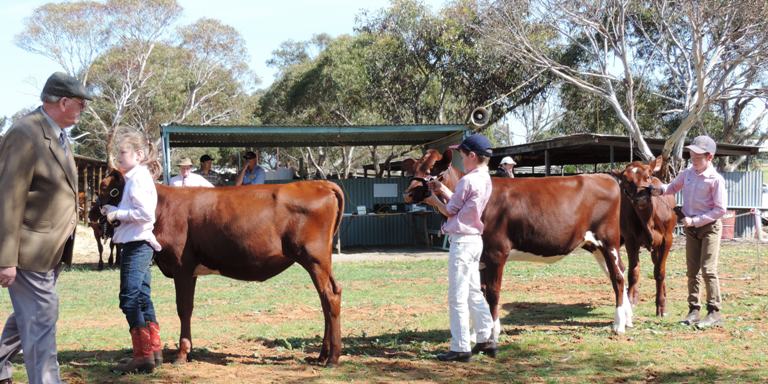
(702, 251)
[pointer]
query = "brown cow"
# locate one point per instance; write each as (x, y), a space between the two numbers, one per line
(248, 233)
(539, 219)
(646, 221)
(103, 231)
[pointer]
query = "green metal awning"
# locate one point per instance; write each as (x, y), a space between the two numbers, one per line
(307, 136)
(427, 135)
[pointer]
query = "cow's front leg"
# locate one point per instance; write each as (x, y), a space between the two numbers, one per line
(659, 256)
(633, 255)
(185, 301)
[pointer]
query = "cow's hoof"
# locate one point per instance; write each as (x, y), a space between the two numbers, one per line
(185, 347)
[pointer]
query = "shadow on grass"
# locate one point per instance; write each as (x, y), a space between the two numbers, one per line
(518, 363)
(405, 344)
(552, 314)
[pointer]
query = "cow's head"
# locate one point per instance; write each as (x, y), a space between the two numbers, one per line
(431, 165)
(111, 190)
(637, 180)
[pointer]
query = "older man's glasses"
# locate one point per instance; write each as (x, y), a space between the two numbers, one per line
(80, 102)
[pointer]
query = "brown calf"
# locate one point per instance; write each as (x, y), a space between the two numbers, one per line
(646, 221)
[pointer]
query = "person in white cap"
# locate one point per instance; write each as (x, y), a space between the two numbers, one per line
(186, 178)
(704, 203)
(506, 167)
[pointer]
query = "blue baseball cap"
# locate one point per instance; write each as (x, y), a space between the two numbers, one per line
(476, 143)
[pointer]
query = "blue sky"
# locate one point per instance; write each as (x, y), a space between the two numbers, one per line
(263, 25)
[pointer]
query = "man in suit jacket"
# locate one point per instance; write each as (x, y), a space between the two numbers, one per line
(37, 221)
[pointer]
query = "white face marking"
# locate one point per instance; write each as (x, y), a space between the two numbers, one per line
(634, 169)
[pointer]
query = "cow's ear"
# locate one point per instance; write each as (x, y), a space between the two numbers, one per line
(409, 166)
(617, 173)
(656, 164)
(428, 161)
(443, 163)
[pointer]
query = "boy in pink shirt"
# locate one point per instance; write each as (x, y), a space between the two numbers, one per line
(464, 227)
(704, 203)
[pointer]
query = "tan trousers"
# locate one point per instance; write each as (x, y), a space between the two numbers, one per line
(702, 250)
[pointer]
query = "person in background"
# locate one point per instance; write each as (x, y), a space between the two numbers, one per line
(704, 203)
(38, 188)
(206, 171)
(252, 173)
(186, 178)
(506, 167)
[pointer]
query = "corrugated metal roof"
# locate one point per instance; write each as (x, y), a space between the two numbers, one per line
(308, 135)
(590, 148)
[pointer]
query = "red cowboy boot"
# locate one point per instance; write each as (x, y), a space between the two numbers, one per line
(143, 360)
(157, 344)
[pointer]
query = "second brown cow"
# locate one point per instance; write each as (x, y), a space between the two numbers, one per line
(539, 219)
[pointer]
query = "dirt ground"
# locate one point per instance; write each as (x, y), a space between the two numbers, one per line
(235, 361)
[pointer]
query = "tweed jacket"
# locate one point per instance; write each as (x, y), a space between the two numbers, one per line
(38, 196)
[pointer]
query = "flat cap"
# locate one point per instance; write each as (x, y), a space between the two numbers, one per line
(703, 144)
(63, 85)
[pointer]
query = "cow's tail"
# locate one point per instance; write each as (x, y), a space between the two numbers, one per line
(340, 201)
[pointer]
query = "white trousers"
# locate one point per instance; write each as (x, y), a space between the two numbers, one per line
(466, 302)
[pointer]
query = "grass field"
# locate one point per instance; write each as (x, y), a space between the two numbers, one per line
(556, 322)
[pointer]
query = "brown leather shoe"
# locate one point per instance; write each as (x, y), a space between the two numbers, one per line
(692, 318)
(713, 319)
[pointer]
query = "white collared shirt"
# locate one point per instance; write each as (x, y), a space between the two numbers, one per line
(193, 180)
(136, 211)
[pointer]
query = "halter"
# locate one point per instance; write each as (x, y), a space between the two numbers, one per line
(424, 184)
(115, 194)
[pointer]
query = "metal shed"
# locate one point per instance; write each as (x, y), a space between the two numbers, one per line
(374, 228)
(590, 148)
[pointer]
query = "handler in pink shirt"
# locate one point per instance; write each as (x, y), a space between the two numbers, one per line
(464, 211)
(704, 202)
